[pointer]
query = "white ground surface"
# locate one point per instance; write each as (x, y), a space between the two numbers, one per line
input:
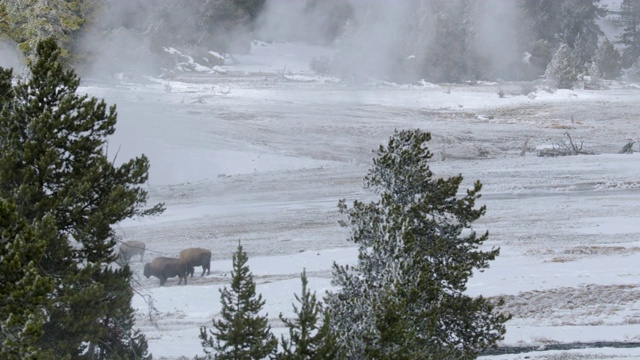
(261, 152)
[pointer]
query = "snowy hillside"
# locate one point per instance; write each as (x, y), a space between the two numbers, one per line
(261, 151)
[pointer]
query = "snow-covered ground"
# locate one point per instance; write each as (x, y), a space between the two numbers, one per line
(262, 150)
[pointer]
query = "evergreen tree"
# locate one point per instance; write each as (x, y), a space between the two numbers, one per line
(544, 21)
(405, 297)
(556, 22)
(579, 28)
(629, 35)
(309, 338)
(608, 60)
(447, 56)
(24, 289)
(538, 35)
(242, 333)
(563, 68)
(633, 73)
(53, 167)
(540, 56)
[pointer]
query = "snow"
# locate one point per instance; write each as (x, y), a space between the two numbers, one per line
(262, 150)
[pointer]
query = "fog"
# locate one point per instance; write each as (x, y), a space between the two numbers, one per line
(386, 40)
(497, 38)
(401, 41)
(10, 57)
(392, 40)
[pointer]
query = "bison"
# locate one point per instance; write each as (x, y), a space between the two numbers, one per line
(196, 257)
(129, 249)
(166, 267)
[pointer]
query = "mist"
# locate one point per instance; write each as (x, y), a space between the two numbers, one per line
(400, 41)
(10, 57)
(409, 41)
(404, 41)
(311, 21)
(497, 36)
(132, 38)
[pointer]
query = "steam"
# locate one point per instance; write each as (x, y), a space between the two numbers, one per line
(378, 41)
(388, 40)
(399, 40)
(497, 38)
(132, 38)
(10, 57)
(312, 21)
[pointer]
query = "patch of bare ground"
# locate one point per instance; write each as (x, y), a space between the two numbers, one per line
(576, 306)
(577, 252)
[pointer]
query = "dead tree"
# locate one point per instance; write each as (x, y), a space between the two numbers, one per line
(563, 148)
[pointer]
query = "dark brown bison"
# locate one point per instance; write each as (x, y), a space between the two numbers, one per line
(166, 267)
(196, 257)
(130, 249)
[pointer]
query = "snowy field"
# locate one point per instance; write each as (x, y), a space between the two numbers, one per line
(261, 152)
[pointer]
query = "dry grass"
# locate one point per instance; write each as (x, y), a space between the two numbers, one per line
(576, 252)
(561, 126)
(590, 305)
(560, 259)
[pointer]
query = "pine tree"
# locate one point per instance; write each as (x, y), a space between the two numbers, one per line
(579, 28)
(629, 35)
(53, 167)
(405, 297)
(556, 22)
(633, 73)
(544, 21)
(540, 22)
(608, 60)
(446, 59)
(24, 289)
(563, 69)
(309, 338)
(242, 333)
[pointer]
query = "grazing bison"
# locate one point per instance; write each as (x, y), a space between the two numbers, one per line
(129, 250)
(165, 267)
(196, 257)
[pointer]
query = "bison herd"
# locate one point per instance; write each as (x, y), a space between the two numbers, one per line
(167, 267)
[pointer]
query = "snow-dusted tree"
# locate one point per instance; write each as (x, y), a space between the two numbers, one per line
(629, 35)
(563, 69)
(571, 22)
(242, 333)
(310, 337)
(449, 52)
(537, 59)
(594, 78)
(579, 28)
(633, 73)
(405, 298)
(608, 60)
(543, 20)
